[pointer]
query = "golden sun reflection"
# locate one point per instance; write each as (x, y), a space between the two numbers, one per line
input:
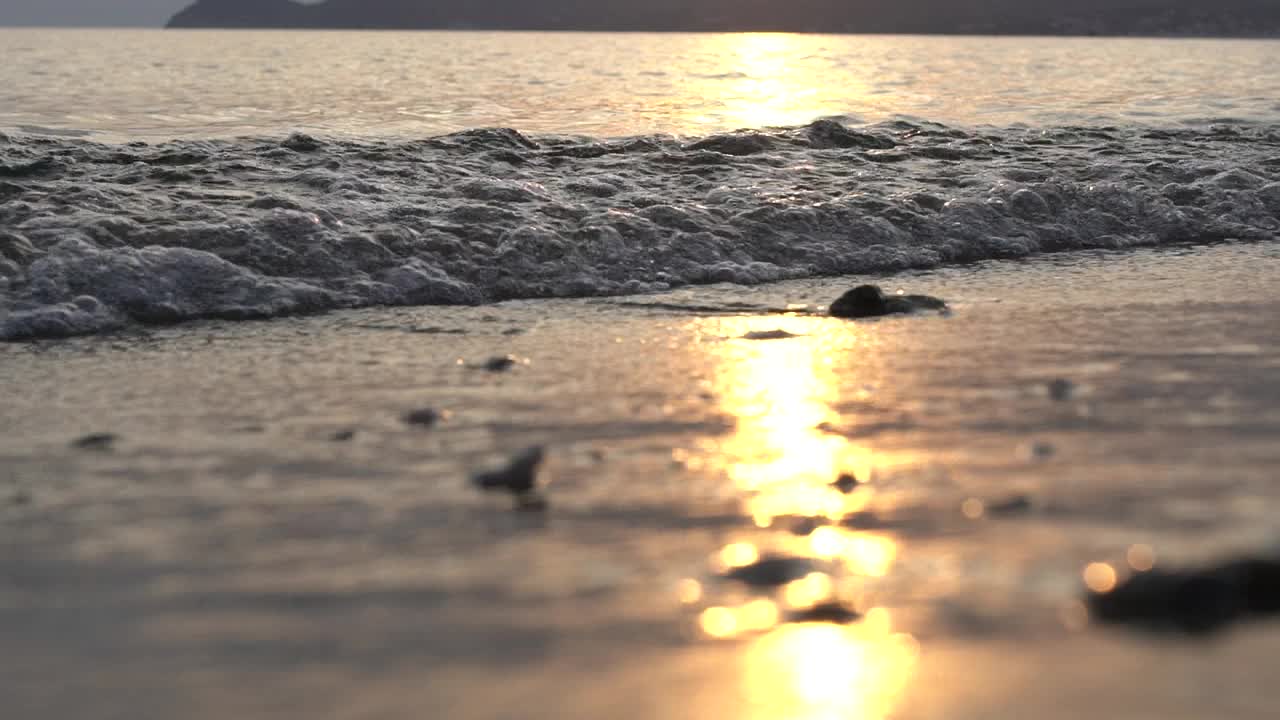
(863, 553)
(767, 89)
(828, 672)
(780, 391)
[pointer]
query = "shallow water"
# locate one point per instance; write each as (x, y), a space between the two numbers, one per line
(118, 84)
(228, 558)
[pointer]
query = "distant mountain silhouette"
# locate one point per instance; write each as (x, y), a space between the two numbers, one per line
(1238, 18)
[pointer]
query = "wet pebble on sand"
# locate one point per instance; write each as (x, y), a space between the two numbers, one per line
(1197, 600)
(771, 571)
(866, 301)
(846, 483)
(519, 477)
(425, 417)
(95, 441)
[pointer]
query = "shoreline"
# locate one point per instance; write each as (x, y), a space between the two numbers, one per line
(136, 328)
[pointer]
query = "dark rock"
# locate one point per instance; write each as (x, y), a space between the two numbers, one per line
(804, 526)
(1194, 601)
(1061, 389)
(846, 483)
(827, 612)
(500, 363)
(21, 497)
(870, 301)
(519, 476)
(771, 571)
(1039, 450)
(1260, 584)
(343, 435)
(95, 441)
(768, 335)
(424, 417)
(1015, 505)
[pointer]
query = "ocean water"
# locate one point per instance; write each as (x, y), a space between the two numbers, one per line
(151, 84)
(156, 177)
(262, 535)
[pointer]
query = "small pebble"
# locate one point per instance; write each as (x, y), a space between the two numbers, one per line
(95, 441)
(343, 435)
(870, 301)
(519, 476)
(846, 483)
(21, 497)
(424, 417)
(1014, 505)
(827, 612)
(771, 571)
(501, 363)
(768, 335)
(1061, 389)
(806, 525)
(1038, 450)
(1194, 601)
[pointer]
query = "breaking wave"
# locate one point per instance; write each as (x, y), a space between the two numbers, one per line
(97, 236)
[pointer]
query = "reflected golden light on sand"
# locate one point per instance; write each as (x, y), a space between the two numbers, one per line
(766, 88)
(808, 591)
(718, 622)
(824, 671)
(863, 553)
(780, 391)
(738, 555)
(756, 616)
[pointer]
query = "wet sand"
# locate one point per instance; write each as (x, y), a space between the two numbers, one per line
(226, 557)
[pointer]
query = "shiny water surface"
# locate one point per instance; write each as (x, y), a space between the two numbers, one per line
(138, 83)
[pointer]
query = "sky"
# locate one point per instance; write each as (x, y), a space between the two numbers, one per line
(89, 12)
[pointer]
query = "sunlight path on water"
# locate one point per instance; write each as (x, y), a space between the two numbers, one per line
(781, 392)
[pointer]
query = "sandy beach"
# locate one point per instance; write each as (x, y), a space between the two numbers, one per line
(226, 556)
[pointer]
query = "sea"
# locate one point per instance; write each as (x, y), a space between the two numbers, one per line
(285, 311)
(152, 176)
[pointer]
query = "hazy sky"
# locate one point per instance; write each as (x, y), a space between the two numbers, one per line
(88, 12)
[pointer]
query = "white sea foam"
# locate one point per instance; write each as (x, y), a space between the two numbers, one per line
(96, 236)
